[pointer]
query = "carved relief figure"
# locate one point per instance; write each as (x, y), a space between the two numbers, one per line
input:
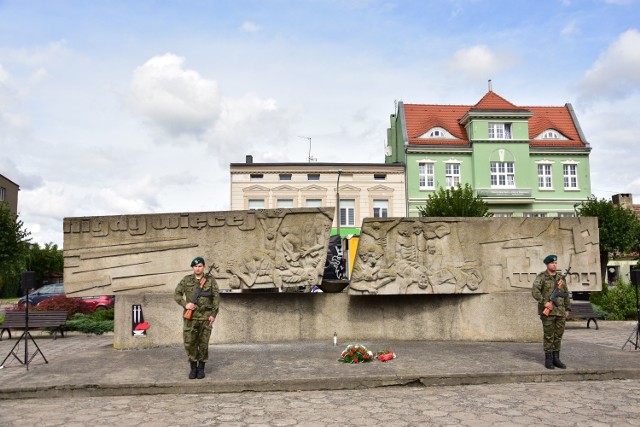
(368, 274)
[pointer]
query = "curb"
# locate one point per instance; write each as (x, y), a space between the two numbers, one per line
(312, 384)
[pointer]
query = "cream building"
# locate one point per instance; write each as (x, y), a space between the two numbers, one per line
(366, 189)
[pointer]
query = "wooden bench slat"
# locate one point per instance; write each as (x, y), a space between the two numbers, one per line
(37, 319)
(580, 310)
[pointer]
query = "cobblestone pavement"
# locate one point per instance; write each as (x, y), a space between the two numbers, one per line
(586, 403)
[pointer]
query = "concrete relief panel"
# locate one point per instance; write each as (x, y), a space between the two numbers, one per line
(268, 248)
(472, 255)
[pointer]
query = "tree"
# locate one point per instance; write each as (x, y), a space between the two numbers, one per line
(44, 261)
(14, 245)
(454, 202)
(619, 228)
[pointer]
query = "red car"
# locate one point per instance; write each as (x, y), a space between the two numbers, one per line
(102, 302)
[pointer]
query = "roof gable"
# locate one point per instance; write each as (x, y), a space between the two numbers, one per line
(420, 118)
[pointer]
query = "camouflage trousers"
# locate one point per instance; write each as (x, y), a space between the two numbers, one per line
(553, 329)
(196, 334)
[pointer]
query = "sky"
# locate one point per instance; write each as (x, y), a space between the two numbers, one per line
(134, 107)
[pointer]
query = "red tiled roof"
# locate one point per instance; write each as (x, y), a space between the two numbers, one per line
(422, 117)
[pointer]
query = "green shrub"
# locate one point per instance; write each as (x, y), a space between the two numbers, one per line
(98, 322)
(615, 303)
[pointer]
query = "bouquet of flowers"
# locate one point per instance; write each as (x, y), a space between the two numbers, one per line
(356, 354)
(385, 356)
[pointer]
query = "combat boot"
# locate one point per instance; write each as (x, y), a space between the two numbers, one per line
(194, 370)
(200, 374)
(548, 360)
(556, 360)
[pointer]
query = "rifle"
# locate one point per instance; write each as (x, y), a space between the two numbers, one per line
(194, 298)
(557, 292)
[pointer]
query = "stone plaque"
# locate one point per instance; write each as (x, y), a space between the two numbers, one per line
(256, 249)
(472, 255)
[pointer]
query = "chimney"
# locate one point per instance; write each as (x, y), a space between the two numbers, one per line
(490, 86)
(249, 159)
(624, 200)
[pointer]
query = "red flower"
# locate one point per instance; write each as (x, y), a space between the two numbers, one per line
(355, 360)
(350, 353)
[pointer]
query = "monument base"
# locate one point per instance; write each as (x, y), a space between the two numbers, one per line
(263, 317)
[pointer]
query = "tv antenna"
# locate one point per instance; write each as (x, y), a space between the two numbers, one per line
(310, 158)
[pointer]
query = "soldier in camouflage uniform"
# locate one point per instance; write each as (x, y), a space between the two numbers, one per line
(553, 323)
(197, 330)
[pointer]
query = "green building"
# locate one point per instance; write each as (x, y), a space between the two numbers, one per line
(523, 161)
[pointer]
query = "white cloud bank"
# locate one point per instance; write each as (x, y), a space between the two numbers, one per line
(616, 73)
(480, 62)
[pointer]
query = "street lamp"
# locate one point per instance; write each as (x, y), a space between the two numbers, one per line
(338, 203)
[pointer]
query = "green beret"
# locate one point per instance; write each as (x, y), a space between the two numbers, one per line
(197, 260)
(550, 258)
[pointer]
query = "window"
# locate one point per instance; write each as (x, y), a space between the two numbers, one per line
(452, 174)
(379, 177)
(499, 130)
(535, 214)
(544, 177)
(502, 214)
(570, 172)
(256, 204)
(347, 213)
(566, 214)
(380, 208)
(313, 203)
(502, 175)
(3, 194)
(436, 134)
(313, 177)
(256, 177)
(285, 177)
(550, 134)
(425, 172)
(284, 203)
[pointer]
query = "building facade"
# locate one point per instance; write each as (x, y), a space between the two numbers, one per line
(9, 193)
(523, 161)
(365, 189)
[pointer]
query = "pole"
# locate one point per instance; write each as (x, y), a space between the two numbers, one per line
(338, 204)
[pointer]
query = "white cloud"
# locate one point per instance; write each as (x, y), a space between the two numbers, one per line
(174, 99)
(615, 73)
(249, 27)
(26, 181)
(480, 62)
(570, 28)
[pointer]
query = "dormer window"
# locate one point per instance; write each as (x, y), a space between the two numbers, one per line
(499, 130)
(437, 133)
(551, 134)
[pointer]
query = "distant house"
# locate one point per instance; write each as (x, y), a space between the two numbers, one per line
(366, 189)
(523, 161)
(9, 193)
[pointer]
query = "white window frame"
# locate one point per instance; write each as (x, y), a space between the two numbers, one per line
(426, 175)
(535, 215)
(313, 203)
(545, 176)
(452, 174)
(284, 203)
(503, 174)
(313, 177)
(570, 176)
(255, 204)
(256, 177)
(380, 208)
(3, 193)
(347, 215)
(499, 131)
(285, 177)
(503, 214)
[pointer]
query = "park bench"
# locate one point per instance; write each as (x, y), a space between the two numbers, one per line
(37, 320)
(583, 310)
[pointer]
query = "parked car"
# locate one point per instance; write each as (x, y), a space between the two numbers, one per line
(43, 293)
(103, 302)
